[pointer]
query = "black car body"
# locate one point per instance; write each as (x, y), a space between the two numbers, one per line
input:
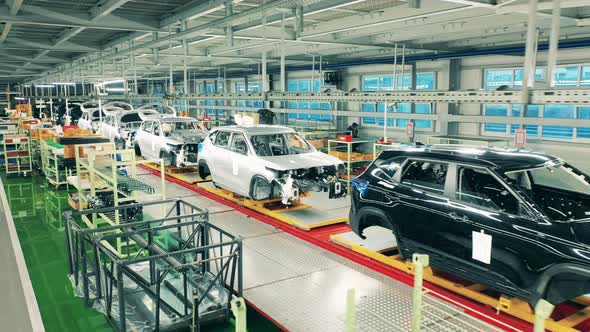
(448, 201)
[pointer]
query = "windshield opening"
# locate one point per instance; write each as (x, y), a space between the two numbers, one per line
(279, 145)
(169, 127)
(123, 106)
(561, 191)
(97, 115)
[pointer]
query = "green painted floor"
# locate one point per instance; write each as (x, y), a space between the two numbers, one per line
(36, 209)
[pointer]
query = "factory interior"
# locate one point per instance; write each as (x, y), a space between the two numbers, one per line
(295, 165)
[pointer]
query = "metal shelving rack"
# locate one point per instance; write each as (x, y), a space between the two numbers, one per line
(55, 202)
(6, 129)
(17, 154)
(52, 163)
(348, 161)
(322, 134)
(102, 169)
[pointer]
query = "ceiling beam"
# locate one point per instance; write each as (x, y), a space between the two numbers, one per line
(192, 10)
(105, 7)
(34, 15)
(5, 31)
(36, 44)
(472, 3)
(14, 7)
(548, 5)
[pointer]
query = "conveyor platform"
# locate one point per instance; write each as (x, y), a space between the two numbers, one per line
(300, 215)
(186, 174)
(378, 257)
(380, 245)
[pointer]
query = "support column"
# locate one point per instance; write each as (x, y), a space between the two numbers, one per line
(530, 50)
(553, 42)
(229, 31)
(264, 75)
(283, 74)
(134, 65)
(298, 22)
(185, 58)
(155, 51)
(449, 79)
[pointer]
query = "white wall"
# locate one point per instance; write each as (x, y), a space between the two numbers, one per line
(471, 77)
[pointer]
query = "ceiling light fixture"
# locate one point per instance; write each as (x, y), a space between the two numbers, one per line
(110, 82)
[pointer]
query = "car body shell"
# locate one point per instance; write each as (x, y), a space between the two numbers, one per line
(120, 127)
(182, 144)
(532, 255)
(234, 171)
(166, 110)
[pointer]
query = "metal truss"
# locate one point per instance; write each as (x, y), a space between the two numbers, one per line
(535, 97)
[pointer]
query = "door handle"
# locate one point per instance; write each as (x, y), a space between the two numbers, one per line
(457, 217)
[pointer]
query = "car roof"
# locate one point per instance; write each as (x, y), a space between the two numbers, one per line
(173, 119)
(259, 129)
(507, 159)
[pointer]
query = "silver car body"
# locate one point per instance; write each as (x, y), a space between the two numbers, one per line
(118, 104)
(160, 108)
(153, 140)
(234, 167)
(90, 119)
(120, 127)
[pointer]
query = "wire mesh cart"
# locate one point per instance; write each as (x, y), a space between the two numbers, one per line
(176, 270)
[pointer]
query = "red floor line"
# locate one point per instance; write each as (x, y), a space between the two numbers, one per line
(265, 315)
(478, 310)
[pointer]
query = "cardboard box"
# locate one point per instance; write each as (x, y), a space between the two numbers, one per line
(318, 142)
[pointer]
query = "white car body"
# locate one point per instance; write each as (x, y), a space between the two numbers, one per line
(163, 109)
(119, 105)
(90, 119)
(174, 139)
(120, 127)
(228, 154)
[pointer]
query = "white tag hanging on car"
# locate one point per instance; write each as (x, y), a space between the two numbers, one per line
(482, 247)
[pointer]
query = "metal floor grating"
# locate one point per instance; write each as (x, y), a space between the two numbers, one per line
(304, 287)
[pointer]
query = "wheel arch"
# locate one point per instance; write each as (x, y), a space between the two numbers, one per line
(256, 177)
(554, 273)
(385, 221)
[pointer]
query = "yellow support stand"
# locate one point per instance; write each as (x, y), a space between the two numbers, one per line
(238, 308)
(274, 209)
(512, 306)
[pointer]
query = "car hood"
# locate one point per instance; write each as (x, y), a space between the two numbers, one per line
(304, 160)
(187, 136)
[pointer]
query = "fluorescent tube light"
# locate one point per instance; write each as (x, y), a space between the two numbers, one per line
(110, 82)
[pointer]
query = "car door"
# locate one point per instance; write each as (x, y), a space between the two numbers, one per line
(493, 229)
(157, 142)
(106, 127)
(83, 122)
(422, 206)
(143, 139)
(218, 158)
(239, 164)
